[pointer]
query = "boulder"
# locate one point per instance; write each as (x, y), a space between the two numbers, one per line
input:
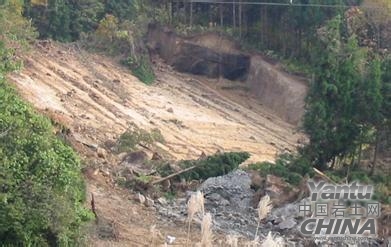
(101, 153)
(135, 158)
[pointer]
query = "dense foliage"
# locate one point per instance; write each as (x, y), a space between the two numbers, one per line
(214, 166)
(42, 190)
(289, 167)
(210, 166)
(41, 187)
(347, 106)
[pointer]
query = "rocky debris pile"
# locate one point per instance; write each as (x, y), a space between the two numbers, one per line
(229, 199)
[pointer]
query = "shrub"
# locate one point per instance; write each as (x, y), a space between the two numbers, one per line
(213, 166)
(289, 167)
(141, 68)
(124, 39)
(134, 136)
(382, 182)
(42, 190)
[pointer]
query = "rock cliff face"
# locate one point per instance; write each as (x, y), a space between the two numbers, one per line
(209, 54)
(214, 55)
(200, 60)
(276, 90)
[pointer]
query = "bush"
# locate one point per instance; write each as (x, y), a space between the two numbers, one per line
(213, 166)
(289, 167)
(134, 136)
(115, 38)
(42, 190)
(382, 182)
(142, 69)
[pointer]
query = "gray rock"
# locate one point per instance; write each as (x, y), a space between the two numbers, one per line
(287, 224)
(149, 202)
(162, 201)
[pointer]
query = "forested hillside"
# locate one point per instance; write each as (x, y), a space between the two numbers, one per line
(341, 47)
(42, 190)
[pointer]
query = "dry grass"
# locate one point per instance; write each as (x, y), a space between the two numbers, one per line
(253, 243)
(194, 205)
(273, 241)
(231, 240)
(153, 232)
(206, 231)
(264, 208)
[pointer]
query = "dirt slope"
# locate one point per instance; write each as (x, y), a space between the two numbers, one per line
(93, 92)
(97, 99)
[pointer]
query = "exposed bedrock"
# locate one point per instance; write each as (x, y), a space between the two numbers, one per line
(213, 55)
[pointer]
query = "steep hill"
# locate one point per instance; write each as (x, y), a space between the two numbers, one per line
(94, 99)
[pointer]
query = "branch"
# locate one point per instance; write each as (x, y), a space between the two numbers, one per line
(173, 175)
(4, 133)
(324, 176)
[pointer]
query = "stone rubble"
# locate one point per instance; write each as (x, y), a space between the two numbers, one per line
(228, 198)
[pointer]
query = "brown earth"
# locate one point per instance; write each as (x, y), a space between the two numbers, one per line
(217, 56)
(96, 99)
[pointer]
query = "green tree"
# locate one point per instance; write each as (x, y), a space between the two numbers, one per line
(336, 117)
(41, 188)
(65, 20)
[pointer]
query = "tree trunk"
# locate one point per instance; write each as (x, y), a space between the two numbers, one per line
(191, 13)
(375, 154)
(234, 14)
(353, 158)
(185, 11)
(359, 157)
(221, 15)
(265, 27)
(332, 164)
(240, 18)
(261, 26)
(175, 9)
(170, 11)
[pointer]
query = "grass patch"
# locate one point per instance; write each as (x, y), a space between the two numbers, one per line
(169, 196)
(297, 68)
(141, 68)
(134, 136)
(288, 167)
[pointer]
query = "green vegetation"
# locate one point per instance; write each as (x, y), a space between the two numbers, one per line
(347, 115)
(347, 106)
(212, 166)
(382, 182)
(142, 69)
(42, 191)
(292, 169)
(134, 136)
(347, 120)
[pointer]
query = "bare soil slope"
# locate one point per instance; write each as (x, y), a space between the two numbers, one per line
(95, 95)
(97, 100)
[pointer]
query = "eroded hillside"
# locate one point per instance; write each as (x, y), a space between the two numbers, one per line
(96, 100)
